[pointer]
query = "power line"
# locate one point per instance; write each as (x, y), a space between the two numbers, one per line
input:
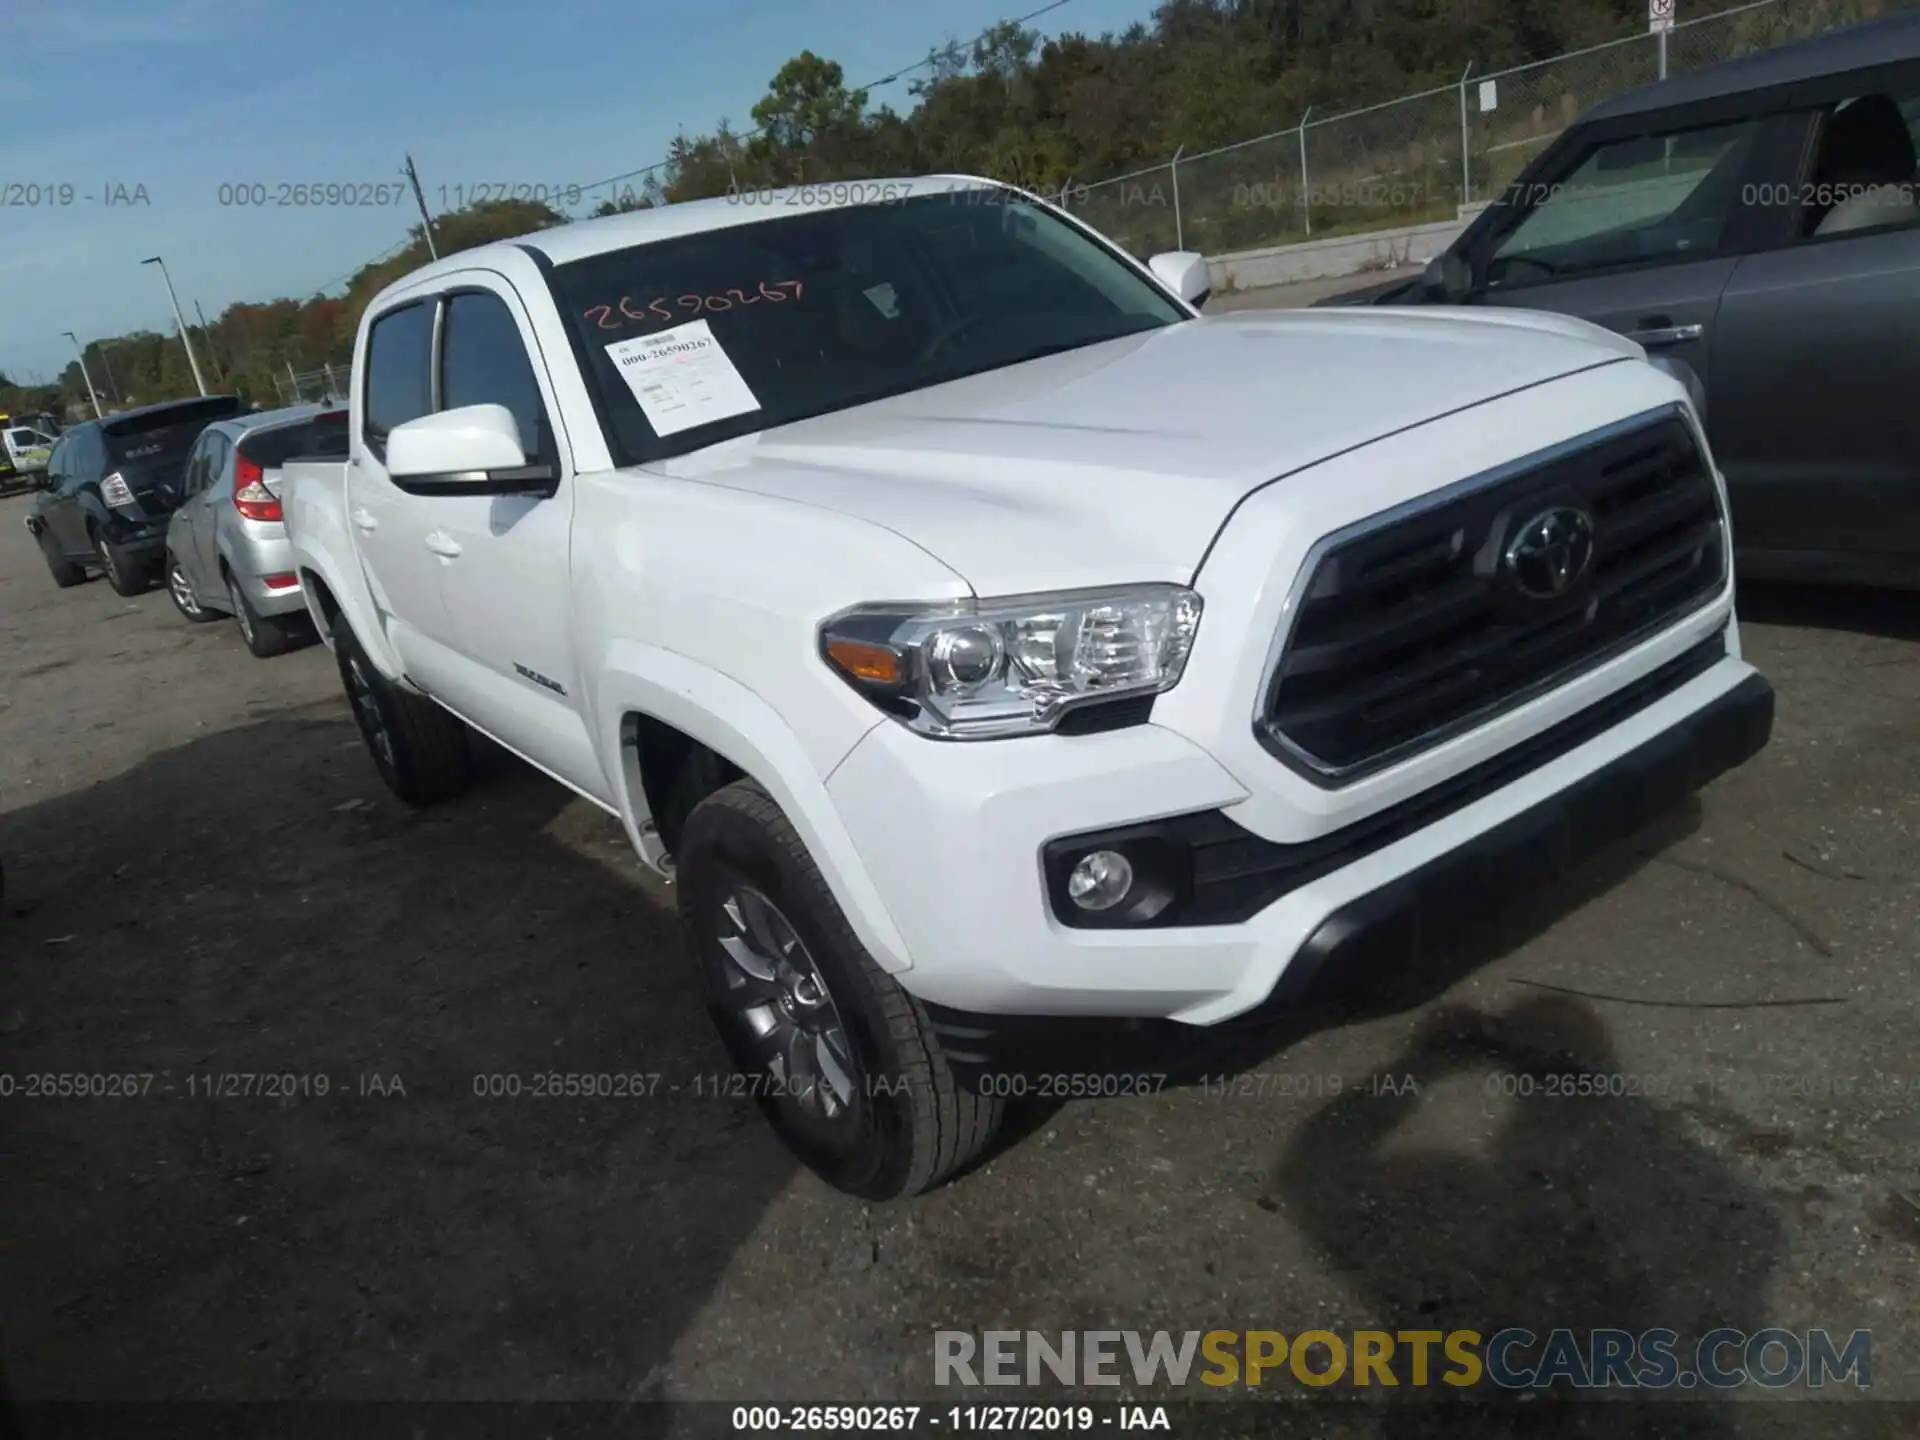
(875, 85)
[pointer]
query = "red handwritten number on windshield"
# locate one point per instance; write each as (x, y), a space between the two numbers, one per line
(658, 310)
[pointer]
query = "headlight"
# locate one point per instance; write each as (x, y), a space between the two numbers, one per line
(988, 669)
(114, 490)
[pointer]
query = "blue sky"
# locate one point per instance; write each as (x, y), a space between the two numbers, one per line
(179, 97)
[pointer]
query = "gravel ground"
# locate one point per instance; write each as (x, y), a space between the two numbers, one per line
(204, 877)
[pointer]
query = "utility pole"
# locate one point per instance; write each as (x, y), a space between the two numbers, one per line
(420, 199)
(92, 393)
(185, 339)
(219, 370)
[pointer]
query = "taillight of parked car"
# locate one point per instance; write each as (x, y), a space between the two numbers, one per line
(116, 492)
(250, 494)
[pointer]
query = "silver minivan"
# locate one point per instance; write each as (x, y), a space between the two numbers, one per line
(227, 551)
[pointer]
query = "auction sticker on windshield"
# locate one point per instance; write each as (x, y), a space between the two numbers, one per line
(682, 378)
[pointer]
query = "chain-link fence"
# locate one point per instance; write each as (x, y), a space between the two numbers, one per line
(326, 386)
(1419, 158)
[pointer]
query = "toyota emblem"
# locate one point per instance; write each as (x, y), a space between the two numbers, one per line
(1551, 552)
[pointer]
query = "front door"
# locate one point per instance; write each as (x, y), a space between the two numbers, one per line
(504, 564)
(1817, 354)
(390, 526)
(1639, 233)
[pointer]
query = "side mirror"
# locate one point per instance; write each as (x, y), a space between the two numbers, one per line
(1448, 277)
(1184, 273)
(474, 450)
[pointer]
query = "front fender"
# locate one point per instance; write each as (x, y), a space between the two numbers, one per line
(736, 723)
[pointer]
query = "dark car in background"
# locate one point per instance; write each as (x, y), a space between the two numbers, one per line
(110, 487)
(1757, 224)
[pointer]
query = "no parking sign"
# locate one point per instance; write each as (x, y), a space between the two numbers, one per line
(1660, 15)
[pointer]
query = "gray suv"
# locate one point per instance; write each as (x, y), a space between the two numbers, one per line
(1756, 223)
(227, 551)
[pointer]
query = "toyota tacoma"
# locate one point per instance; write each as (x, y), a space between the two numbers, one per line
(990, 645)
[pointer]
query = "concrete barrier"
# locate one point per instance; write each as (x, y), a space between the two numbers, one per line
(1337, 256)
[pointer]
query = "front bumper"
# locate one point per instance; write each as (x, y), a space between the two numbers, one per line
(954, 835)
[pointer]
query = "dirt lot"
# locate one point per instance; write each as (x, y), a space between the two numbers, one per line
(204, 877)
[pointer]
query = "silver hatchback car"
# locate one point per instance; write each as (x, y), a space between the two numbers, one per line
(227, 551)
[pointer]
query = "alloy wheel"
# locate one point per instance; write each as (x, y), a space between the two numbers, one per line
(182, 591)
(242, 616)
(366, 710)
(774, 995)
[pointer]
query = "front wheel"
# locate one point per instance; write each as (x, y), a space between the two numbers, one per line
(843, 1062)
(424, 754)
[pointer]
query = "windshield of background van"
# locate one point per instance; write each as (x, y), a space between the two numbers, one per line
(819, 311)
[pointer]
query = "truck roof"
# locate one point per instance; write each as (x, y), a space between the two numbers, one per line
(583, 238)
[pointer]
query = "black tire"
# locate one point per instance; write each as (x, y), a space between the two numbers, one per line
(181, 593)
(126, 575)
(909, 1124)
(424, 754)
(266, 635)
(65, 573)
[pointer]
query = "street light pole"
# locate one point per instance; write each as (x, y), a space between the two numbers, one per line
(185, 338)
(92, 393)
(113, 380)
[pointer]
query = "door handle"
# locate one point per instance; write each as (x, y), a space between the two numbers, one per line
(363, 520)
(443, 545)
(1667, 334)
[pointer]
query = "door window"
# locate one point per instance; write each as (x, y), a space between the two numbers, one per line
(193, 479)
(399, 379)
(1661, 196)
(483, 361)
(1866, 174)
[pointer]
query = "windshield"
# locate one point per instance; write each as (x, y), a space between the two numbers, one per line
(723, 333)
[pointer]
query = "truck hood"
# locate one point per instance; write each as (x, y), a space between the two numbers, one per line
(1119, 462)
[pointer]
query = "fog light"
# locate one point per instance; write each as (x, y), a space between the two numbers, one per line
(1101, 880)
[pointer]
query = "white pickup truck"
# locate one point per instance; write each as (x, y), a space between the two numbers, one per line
(996, 650)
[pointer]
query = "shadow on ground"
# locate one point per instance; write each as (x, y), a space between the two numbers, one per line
(1891, 614)
(253, 905)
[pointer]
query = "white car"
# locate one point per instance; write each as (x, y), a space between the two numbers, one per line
(997, 650)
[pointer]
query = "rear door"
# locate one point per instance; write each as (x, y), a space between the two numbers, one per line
(1817, 358)
(54, 504)
(390, 526)
(81, 466)
(180, 537)
(213, 493)
(1638, 232)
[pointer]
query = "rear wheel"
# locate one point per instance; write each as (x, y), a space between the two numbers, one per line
(266, 635)
(423, 753)
(127, 575)
(65, 573)
(180, 591)
(843, 1062)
